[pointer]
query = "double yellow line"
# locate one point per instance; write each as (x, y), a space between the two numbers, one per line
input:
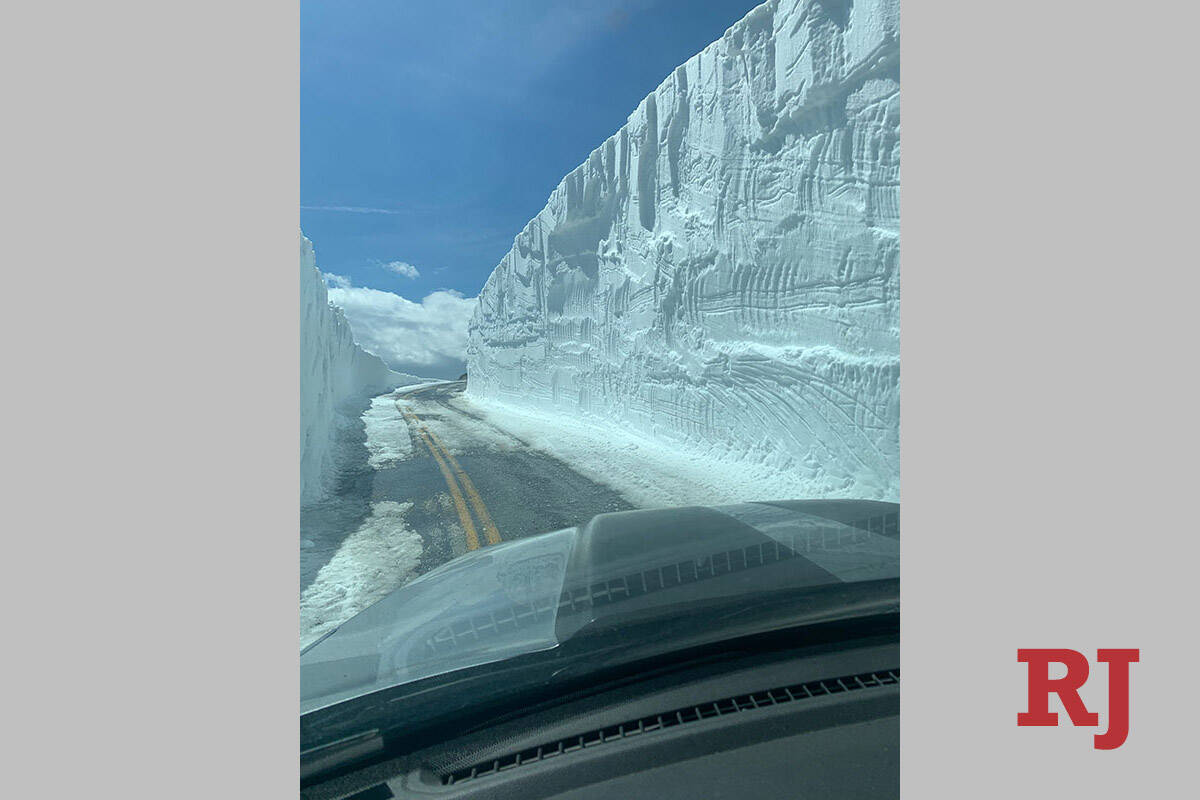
(450, 468)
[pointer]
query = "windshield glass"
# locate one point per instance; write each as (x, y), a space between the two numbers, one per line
(533, 595)
(485, 606)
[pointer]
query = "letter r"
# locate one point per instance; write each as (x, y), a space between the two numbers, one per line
(1066, 687)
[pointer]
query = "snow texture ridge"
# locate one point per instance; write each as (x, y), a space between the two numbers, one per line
(722, 274)
(333, 371)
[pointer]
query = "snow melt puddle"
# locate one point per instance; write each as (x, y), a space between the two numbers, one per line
(388, 440)
(380, 556)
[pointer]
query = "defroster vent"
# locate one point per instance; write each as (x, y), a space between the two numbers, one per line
(680, 716)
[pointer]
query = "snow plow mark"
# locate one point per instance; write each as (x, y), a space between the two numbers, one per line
(460, 505)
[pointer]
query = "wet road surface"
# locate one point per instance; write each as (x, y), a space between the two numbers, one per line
(470, 484)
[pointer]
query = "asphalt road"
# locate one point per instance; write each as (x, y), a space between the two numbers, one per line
(471, 485)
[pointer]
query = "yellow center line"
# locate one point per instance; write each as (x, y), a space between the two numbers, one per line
(460, 505)
(489, 527)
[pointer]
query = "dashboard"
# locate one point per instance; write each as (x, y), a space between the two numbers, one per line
(819, 721)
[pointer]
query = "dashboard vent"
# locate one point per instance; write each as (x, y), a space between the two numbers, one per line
(680, 716)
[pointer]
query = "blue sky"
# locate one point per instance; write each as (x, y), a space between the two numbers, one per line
(431, 132)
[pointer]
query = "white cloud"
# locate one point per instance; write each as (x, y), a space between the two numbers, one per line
(428, 338)
(336, 281)
(402, 268)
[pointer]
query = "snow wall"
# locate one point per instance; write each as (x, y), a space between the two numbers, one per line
(334, 372)
(722, 274)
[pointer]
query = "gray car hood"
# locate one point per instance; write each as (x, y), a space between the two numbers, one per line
(532, 594)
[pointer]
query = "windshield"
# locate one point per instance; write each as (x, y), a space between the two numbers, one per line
(533, 595)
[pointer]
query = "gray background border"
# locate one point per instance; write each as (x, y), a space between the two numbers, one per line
(1049, 431)
(151, 568)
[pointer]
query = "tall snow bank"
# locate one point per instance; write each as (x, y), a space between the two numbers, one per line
(723, 273)
(334, 371)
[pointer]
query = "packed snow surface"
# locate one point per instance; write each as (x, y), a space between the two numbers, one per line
(722, 275)
(379, 557)
(647, 472)
(335, 373)
(388, 440)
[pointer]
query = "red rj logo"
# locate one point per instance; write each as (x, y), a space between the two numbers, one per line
(1067, 689)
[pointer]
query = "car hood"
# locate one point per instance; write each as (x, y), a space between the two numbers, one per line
(533, 594)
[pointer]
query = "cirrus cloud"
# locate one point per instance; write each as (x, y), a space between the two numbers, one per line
(426, 338)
